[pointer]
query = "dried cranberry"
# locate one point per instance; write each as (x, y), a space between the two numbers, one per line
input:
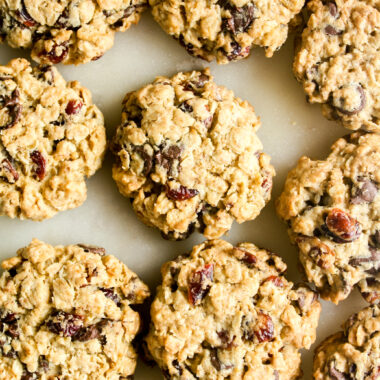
(14, 108)
(40, 162)
(93, 249)
(264, 329)
(333, 9)
(26, 375)
(57, 54)
(331, 31)
(226, 339)
(341, 227)
(237, 51)
(65, 324)
(199, 284)
(185, 107)
(7, 165)
(25, 18)
(73, 107)
(110, 293)
(181, 194)
(87, 333)
(247, 258)
(216, 362)
(277, 281)
(241, 19)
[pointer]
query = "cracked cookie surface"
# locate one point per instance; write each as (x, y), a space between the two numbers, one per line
(51, 137)
(332, 208)
(226, 30)
(188, 155)
(65, 314)
(68, 31)
(225, 312)
(338, 61)
(353, 353)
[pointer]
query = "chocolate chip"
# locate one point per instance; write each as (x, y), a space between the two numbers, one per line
(185, 107)
(241, 19)
(85, 334)
(333, 9)
(65, 324)
(181, 194)
(341, 108)
(237, 51)
(226, 339)
(166, 157)
(216, 362)
(12, 103)
(341, 227)
(110, 293)
(374, 240)
(331, 31)
(337, 375)
(40, 162)
(148, 159)
(177, 366)
(11, 176)
(26, 375)
(199, 284)
(93, 249)
(73, 107)
(365, 193)
(176, 236)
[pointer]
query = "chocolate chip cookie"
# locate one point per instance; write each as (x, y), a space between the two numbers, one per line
(332, 210)
(65, 313)
(226, 312)
(226, 30)
(51, 137)
(338, 61)
(353, 353)
(69, 31)
(188, 155)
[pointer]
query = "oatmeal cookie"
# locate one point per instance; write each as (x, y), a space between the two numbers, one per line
(68, 31)
(51, 137)
(188, 155)
(65, 314)
(332, 208)
(226, 312)
(338, 61)
(226, 29)
(353, 353)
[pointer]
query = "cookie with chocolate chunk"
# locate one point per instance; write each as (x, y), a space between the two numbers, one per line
(51, 138)
(332, 210)
(338, 61)
(65, 312)
(188, 156)
(226, 312)
(69, 31)
(353, 353)
(226, 30)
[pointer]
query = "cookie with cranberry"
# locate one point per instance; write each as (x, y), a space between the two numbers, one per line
(225, 312)
(226, 30)
(69, 31)
(332, 210)
(353, 353)
(65, 312)
(338, 61)
(188, 155)
(51, 138)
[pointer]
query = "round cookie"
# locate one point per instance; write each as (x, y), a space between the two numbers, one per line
(68, 31)
(65, 314)
(226, 312)
(226, 29)
(51, 137)
(188, 155)
(338, 61)
(353, 353)
(332, 208)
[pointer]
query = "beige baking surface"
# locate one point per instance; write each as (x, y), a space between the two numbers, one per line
(290, 128)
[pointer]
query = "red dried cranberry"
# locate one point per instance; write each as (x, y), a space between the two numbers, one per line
(341, 227)
(199, 283)
(181, 194)
(25, 18)
(277, 281)
(87, 333)
(264, 329)
(73, 107)
(7, 165)
(40, 162)
(110, 293)
(14, 108)
(57, 54)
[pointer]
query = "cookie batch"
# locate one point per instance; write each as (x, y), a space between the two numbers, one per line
(187, 155)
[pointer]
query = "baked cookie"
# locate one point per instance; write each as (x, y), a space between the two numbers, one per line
(226, 30)
(188, 155)
(227, 312)
(65, 314)
(51, 138)
(332, 208)
(68, 31)
(338, 61)
(353, 353)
